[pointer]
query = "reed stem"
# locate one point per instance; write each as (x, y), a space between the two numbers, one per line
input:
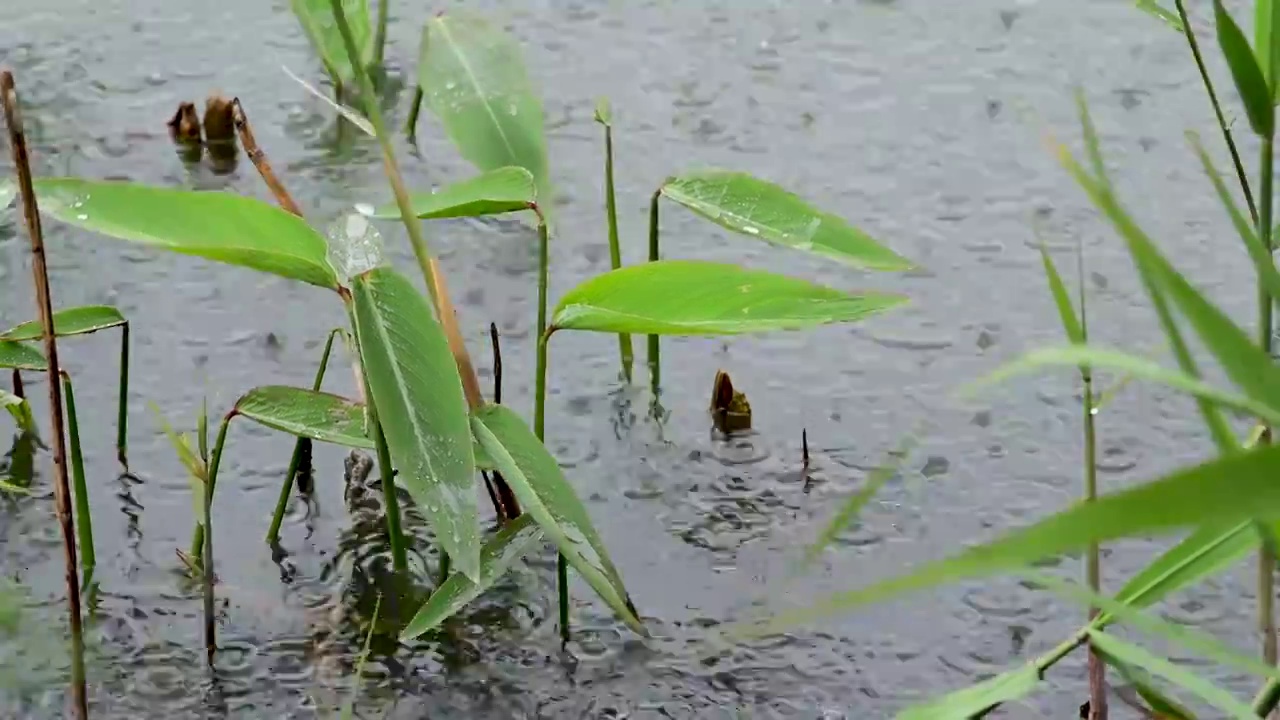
(84, 519)
(411, 125)
(380, 34)
(1266, 555)
(655, 362)
(61, 488)
(122, 419)
(206, 560)
(625, 351)
(390, 503)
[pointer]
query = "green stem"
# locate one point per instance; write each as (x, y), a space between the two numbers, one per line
(444, 567)
(1267, 698)
(625, 351)
(655, 362)
(198, 540)
(562, 590)
(1266, 556)
(391, 504)
(122, 420)
(411, 125)
(206, 562)
(380, 36)
(539, 429)
(84, 519)
(282, 502)
(1093, 563)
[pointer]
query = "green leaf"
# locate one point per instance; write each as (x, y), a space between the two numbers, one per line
(1130, 654)
(510, 544)
(1067, 313)
(9, 487)
(307, 413)
(317, 20)
(70, 321)
(1251, 84)
(1162, 706)
(415, 386)
(540, 486)
(474, 80)
(197, 471)
(750, 206)
(19, 356)
(603, 112)
(20, 410)
(1090, 356)
(1266, 33)
(1191, 496)
(507, 189)
(216, 226)
(1155, 10)
(977, 699)
(696, 297)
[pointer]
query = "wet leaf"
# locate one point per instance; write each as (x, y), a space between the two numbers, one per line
(1066, 313)
(507, 189)
(603, 112)
(1266, 46)
(317, 20)
(216, 226)
(509, 545)
(756, 208)
(696, 297)
(70, 321)
(1161, 706)
(474, 80)
(1190, 496)
(307, 413)
(540, 486)
(20, 356)
(1156, 10)
(974, 700)
(415, 386)
(1250, 81)
(20, 410)
(1131, 654)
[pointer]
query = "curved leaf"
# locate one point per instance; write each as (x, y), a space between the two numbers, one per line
(1251, 84)
(974, 700)
(696, 297)
(19, 356)
(70, 321)
(1130, 654)
(540, 486)
(20, 410)
(1155, 10)
(307, 413)
(317, 20)
(213, 225)
(507, 189)
(474, 80)
(745, 204)
(510, 544)
(415, 387)
(1066, 313)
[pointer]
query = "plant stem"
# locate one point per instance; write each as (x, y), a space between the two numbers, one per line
(655, 362)
(259, 159)
(206, 561)
(1241, 175)
(18, 390)
(411, 125)
(84, 520)
(390, 503)
(1093, 562)
(625, 351)
(61, 489)
(380, 35)
(122, 419)
(273, 533)
(1266, 555)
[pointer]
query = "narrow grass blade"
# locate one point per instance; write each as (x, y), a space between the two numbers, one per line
(507, 189)
(1070, 321)
(1250, 81)
(218, 226)
(1131, 654)
(1141, 368)
(540, 486)
(1266, 45)
(20, 356)
(1191, 496)
(696, 297)
(317, 20)
(1160, 706)
(9, 487)
(756, 208)
(307, 413)
(345, 111)
(414, 381)
(474, 80)
(1153, 8)
(976, 700)
(510, 544)
(70, 321)
(349, 707)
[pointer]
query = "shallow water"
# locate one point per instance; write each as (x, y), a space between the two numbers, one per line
(919, 121)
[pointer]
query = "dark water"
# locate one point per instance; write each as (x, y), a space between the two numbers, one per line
(920, 121)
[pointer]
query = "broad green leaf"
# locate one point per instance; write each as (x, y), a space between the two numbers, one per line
(1156, 10)
(474, 80)
(1131, 654)
(1251, 84)
(20, 410)
(977, 699)
(20, 356)
(70, 321)
(415, 386)
(697, 297)
(750, 206)
(540, 486)
(1191, 496)
(307, 413)
(317, 20)
(1089, 356)
(507, 189)
(1070, 322)
(1263, 263)
(213, 225)
(510, 544)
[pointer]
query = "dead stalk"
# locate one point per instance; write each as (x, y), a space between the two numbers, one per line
(259, 159)
(61, 488)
